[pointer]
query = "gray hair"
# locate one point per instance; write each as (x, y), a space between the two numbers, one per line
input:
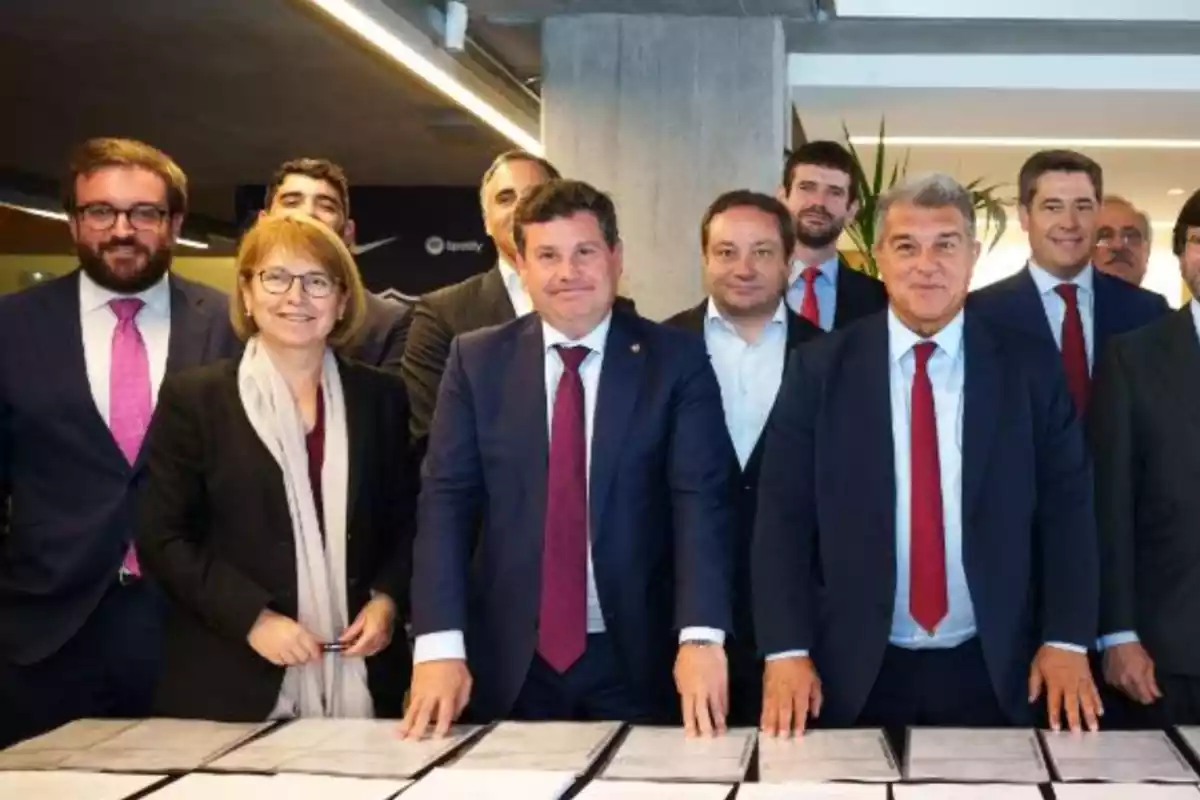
(1116, 199)
(936, 190)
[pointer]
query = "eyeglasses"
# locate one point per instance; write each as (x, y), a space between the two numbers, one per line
(1126, 237)
(102, 216)
(316, 285)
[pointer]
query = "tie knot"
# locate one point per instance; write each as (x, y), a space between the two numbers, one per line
(572, 356)
(923, 351)
(1068, 292)
(126, 308)
(810, 275)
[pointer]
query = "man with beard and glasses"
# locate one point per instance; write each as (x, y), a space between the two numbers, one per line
(81, 358)
(1122, 240)
(820, 191)
(318, 187)
(1057, 296)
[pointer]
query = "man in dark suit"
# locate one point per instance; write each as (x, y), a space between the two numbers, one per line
(746, 238)
(820, 190)
(591, 442)
(1145, 441)
(1059, 296)
(319, 187)
(81, 358)
(925, 539)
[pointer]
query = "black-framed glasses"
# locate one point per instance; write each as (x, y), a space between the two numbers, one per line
(316, 285)
(1126, 237)
(103, 216)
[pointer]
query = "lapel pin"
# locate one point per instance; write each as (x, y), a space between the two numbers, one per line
(635, 348)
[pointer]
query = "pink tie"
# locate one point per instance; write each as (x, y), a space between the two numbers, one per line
(128, 391)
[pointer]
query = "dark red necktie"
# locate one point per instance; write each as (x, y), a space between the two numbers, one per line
(810, 309)
(562, 616)
(927, 554)
(1074, 350)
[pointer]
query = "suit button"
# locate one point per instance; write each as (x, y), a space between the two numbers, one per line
(747, 487)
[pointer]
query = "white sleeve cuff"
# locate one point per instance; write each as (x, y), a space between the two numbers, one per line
(1070, 648)
(440, 646)
(1114, 639)
(699, 634)
(788, 654)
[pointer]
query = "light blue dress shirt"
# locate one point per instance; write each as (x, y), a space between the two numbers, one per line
(749, 374)
(826, 288)
(1056, 307)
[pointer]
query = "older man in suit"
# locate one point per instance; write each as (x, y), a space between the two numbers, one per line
(745, 238)
(81, 358)
(925, 540)
(591, 443)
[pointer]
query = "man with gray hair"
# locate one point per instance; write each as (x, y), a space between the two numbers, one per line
(1122, 240)
(925, 546)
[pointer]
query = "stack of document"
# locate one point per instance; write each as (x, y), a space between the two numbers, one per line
(66, 785)
(827, 755)
(1117, 791)
(975, 791)
(1191, 737)
(984, 755)
(638, 790)
(363, 748)
(550, 746)
(201, 786)
(50, 750)
(666, 754)
(1119, 756)
(812, 791)
(490, 784)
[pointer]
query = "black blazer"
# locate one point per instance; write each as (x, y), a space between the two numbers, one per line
(858, 295)
(67, 494)
(1145, 431)
(381, 340)
(214, 530)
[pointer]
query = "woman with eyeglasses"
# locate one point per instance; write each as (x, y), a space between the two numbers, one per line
(278, 510)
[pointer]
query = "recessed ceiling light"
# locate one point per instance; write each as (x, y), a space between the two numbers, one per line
(1176, 190)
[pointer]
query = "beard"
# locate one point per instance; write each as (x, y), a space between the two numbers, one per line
(821, 236)
(158, 263)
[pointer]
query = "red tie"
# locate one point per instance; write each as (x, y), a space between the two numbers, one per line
(927, 558)
(809, 308)
(562, 615)
(1074, 351)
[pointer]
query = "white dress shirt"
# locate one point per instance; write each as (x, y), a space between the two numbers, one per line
(749, 374)
(825, 286)
(1056, 307)
(517, 293)
(98, 322)
(445, 645)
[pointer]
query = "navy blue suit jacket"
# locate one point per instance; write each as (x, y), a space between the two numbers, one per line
(662, 521)
(824, 563)
(72, 492)
(1119, 307)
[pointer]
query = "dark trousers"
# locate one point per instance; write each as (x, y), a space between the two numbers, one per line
(745, 685)
(593, 688)
(108, 669)
(1179, 705)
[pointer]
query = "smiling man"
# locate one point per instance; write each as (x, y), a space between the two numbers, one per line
(1059, 296)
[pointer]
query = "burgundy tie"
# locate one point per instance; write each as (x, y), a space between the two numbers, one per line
(927, 557)
(1074, 351)
(810, 309)
(562, 617)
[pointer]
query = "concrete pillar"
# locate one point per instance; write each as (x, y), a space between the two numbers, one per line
(665, 113)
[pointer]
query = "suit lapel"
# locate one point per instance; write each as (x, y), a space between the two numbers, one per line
(358, 413)
(497, 305)
(529, 411)
(1026, 308)
(620, 382)
(846, 308)
(868, 392)
(1102, 304)
(692, 320)
(983, 381)
(1180, 362)
(188, 339)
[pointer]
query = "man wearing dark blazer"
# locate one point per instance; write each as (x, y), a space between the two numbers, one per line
(1059, 296)
(591, 443)
(925, 539)
(820, 191)
(745, 238)
(81, 358)
(319, 187)
(1146, 443)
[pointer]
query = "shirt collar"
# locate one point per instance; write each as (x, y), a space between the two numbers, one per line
(93, 296)
(828, 268)
(508, 272)
(1046, 282)
(901, 338)
(593, 341)
(713, 314)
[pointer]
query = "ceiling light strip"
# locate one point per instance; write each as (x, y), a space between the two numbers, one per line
(62, 217)
(353, 17)
(1029, 142)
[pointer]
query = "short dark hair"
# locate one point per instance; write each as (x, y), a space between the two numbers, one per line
(518, 155)
(822, 153)
(319, 169)
(106, 151)
(559, 199)
(1045, 161)
(1189, 217)
(744, 198)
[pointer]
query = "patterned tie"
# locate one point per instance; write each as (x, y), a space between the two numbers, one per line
(1074, 351)
(927, 558)
(809, 307)
(562, 617)
(128, 391)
